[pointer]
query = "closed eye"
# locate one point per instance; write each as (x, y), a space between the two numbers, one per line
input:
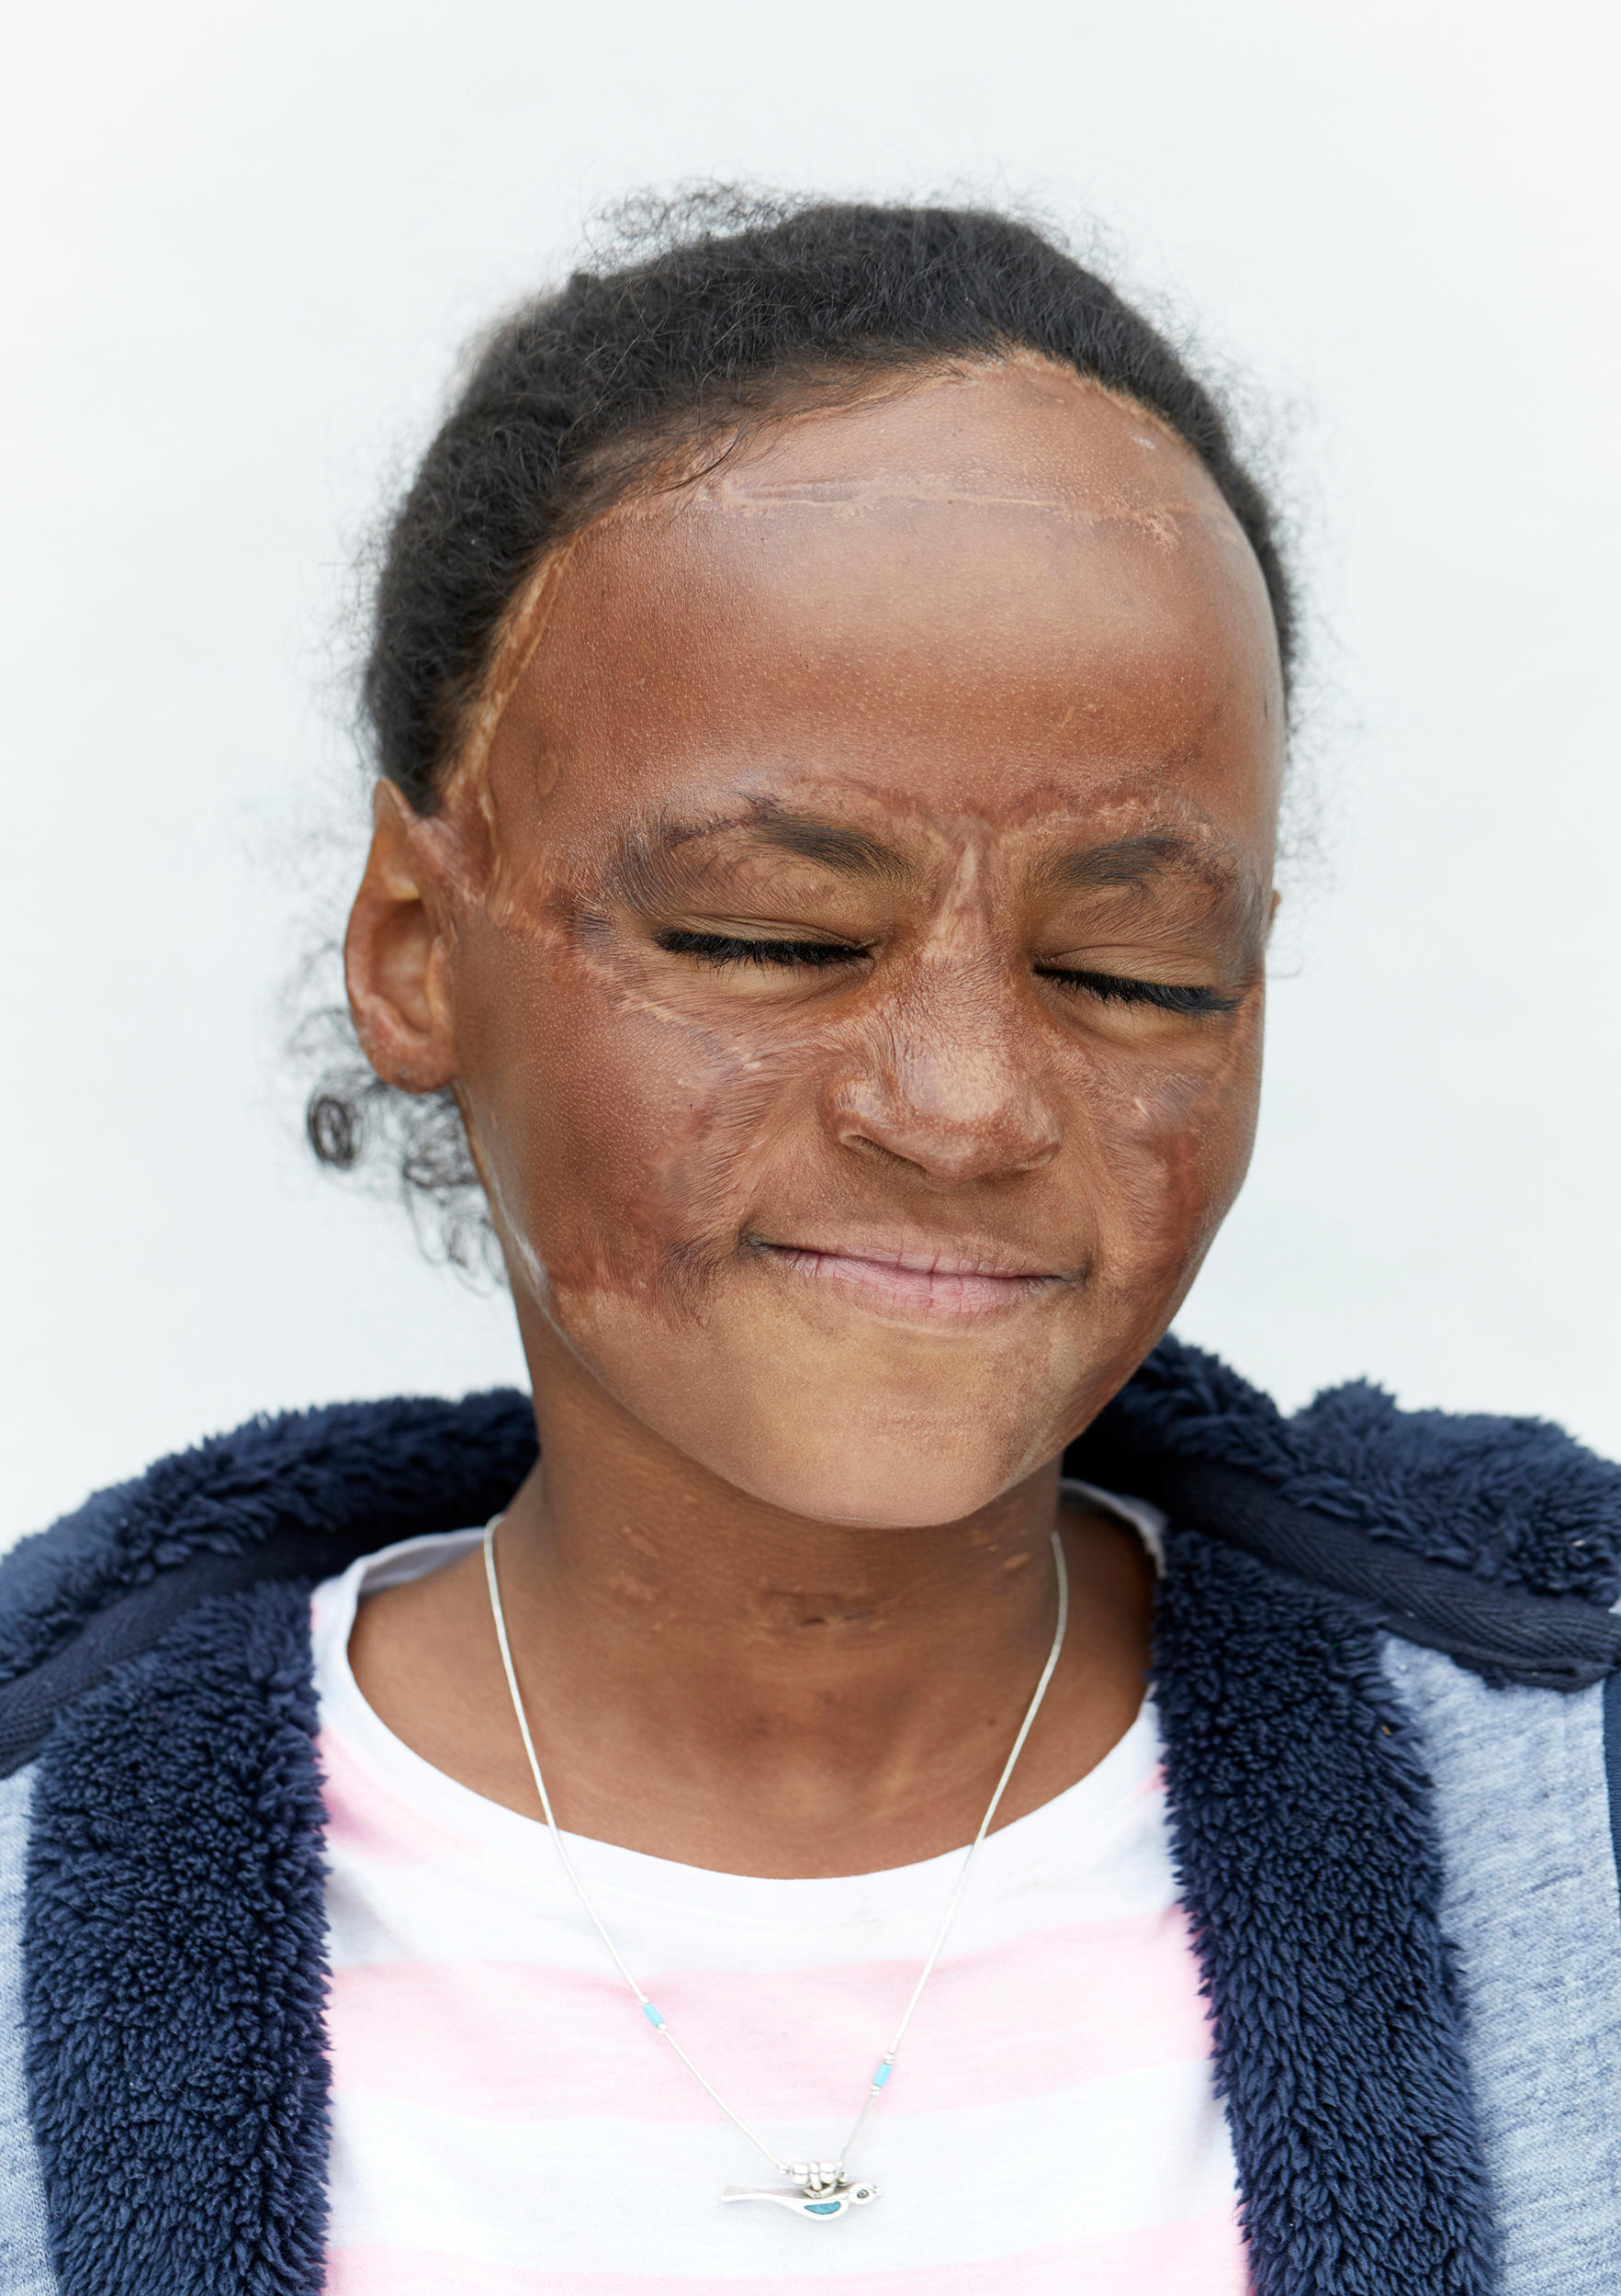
(719, 949)
(722, 949)
(1169, 995)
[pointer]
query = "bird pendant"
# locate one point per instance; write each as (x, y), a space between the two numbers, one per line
(826, 2204)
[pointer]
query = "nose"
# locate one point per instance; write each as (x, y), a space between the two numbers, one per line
(948, 1079)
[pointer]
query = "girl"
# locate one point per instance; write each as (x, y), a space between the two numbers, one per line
(829, 689)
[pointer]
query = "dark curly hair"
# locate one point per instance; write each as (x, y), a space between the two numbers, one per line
(727, 307)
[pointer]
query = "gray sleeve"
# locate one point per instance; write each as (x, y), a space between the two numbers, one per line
(1530, 1905)
(25, 2255)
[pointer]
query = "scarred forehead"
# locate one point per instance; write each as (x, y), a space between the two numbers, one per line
(1021, 434)
(953, 594)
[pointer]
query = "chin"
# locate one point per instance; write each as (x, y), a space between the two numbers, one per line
(865, 1424)
(873, 1467)
(886, 1492)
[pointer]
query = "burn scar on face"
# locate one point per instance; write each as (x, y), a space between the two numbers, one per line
(738, 495)
(986, 727)
(734, 477)
(522, 632)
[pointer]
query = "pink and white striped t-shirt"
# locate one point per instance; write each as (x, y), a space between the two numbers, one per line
(506, 2123)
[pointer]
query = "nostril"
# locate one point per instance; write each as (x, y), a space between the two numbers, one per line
(863, 1144)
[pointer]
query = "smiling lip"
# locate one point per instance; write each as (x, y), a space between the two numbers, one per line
(926, 1280)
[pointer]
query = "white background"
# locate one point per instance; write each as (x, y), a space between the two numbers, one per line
(243, 244)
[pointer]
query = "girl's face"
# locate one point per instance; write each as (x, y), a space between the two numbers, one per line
(846, 943)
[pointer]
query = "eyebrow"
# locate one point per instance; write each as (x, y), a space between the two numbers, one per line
(1124, 860)
(1121, 862)
(849, 852)
(852, 853)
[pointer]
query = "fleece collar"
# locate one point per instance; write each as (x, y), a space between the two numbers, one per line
(174, 1925)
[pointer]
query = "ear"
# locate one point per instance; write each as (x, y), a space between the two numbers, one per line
(396, 951)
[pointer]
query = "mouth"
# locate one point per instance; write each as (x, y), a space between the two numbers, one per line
(942, 1284)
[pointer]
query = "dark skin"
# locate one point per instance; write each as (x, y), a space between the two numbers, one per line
(843, 931)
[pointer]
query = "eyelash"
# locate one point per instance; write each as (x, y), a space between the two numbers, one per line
(719, 949)
(1169, 995)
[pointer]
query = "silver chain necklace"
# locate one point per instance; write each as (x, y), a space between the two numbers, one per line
(819, 2190)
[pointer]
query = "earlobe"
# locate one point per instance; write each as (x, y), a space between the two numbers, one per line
(395, 953)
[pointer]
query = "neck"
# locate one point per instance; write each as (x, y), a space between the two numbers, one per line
(735, 1629)
(712, 1678)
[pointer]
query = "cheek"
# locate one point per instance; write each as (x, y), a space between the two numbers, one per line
(623, 1143)
(1173, 1145)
